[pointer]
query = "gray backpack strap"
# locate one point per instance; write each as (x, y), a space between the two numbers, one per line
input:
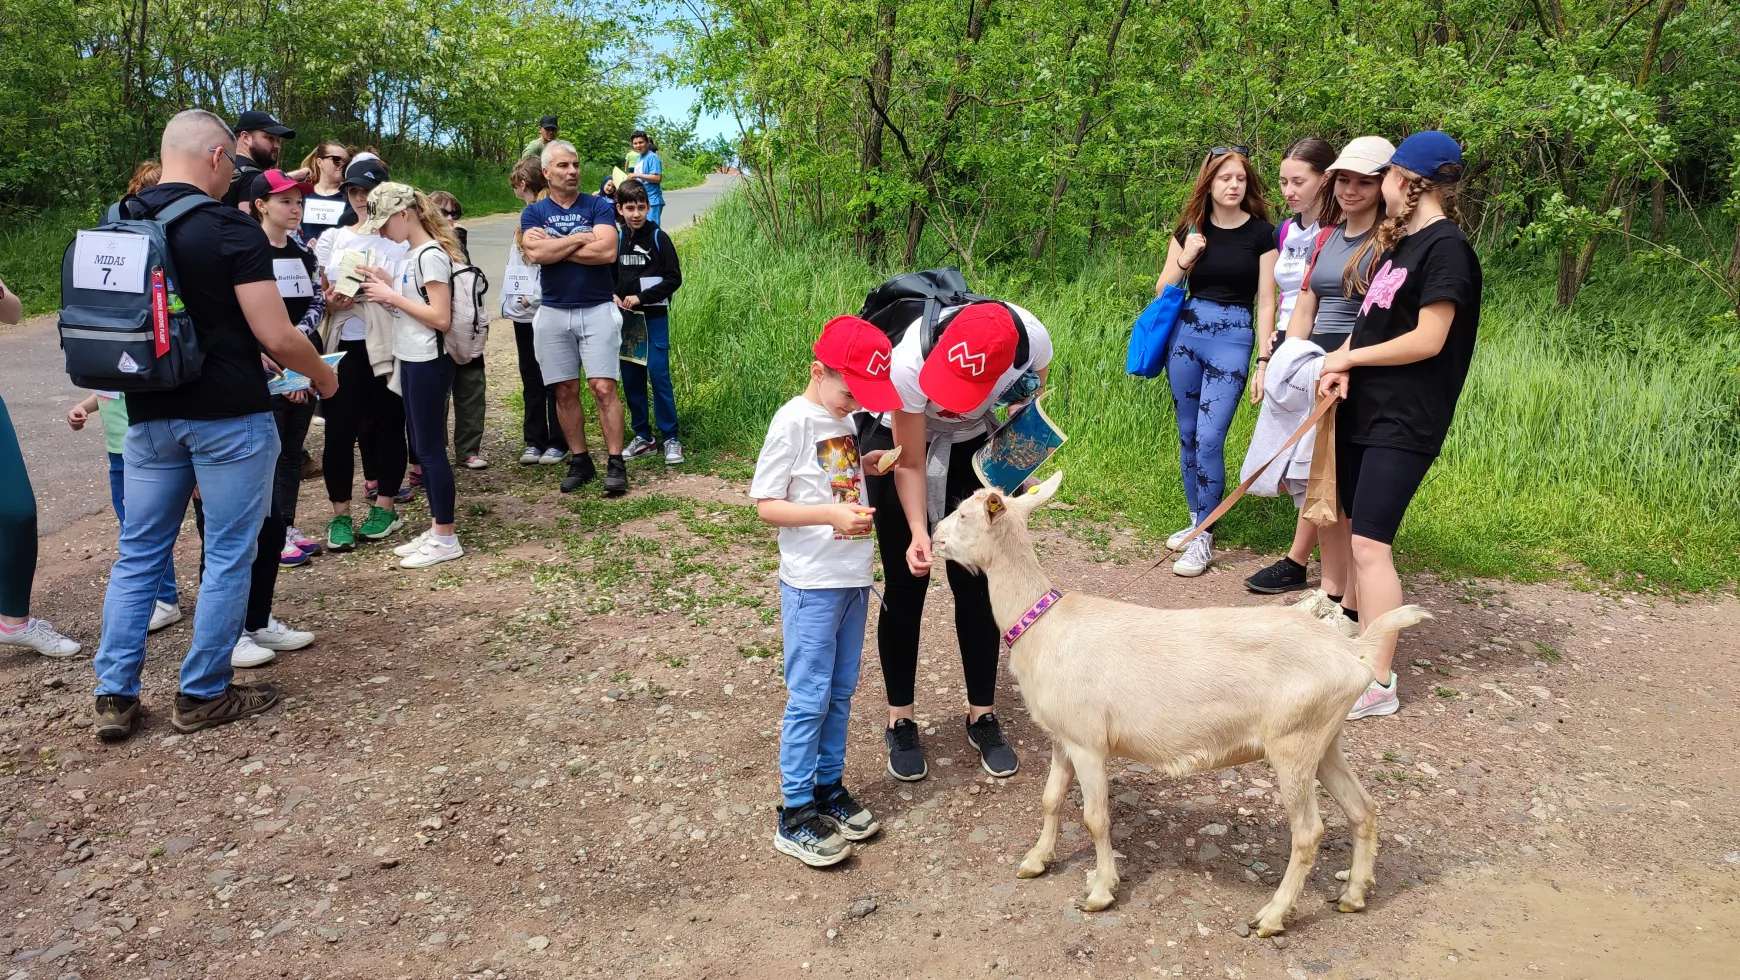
(114, 214)
(176, 209)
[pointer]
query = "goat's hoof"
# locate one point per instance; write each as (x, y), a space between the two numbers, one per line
(1264, 932)
(1096, 903)
(1032, 866)
(1347, 904)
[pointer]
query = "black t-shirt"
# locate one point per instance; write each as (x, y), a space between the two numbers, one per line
(1409, 406)
(215, 249)
(241, 180)
(296, 302)
(312, 229)
(1227, 271)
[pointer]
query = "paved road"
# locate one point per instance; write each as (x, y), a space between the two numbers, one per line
(70, 470)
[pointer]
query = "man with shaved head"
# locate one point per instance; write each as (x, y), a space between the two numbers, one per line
(215, 431)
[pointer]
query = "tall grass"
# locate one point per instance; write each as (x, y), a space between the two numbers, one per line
(1599, 443)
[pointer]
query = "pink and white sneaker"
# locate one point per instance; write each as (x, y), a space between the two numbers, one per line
(308, 545)
(1378, 699)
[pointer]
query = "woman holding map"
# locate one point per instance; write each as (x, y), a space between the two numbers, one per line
(983, 355)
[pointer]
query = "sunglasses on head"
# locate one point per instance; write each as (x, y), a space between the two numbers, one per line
(1221, 151)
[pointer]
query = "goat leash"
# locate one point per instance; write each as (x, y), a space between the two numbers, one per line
(1323, 406)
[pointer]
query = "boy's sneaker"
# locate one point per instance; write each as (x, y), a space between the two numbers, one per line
(433, 552)
(476, 463)
(1197, 557)
(850, 818)
(905, 758)
(615, 476)
(1377, 700)
(277, 636)
(237, 702)
(115, 717)
(553, 456)
(995, 755)
(673, 452)
(581, 471)
(641, 446)
(410, 547)
(380, 523)
(340, 535)
(303, 541)
(803, 834)
(163, 614)
(247, 653)
(530, 455)
(41, 636)
(1285, 575)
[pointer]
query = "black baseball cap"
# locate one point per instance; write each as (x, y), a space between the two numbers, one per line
(548, 122)
(262, 121)
(367, 174)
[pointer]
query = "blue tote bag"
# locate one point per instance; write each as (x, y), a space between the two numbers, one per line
(1152, 334)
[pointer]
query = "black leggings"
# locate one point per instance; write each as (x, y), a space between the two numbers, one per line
(263, 573)
(539, 425)
(1376, 484)
(293, 420)
(363, 404)
(897, 628)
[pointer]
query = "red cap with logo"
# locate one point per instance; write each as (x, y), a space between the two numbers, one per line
(861, 353)
(974, 351)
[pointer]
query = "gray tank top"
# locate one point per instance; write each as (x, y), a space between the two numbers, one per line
(1335, 312)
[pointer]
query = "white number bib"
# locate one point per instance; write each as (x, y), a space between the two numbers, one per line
(113, 261)
(293, 280)
(316, 212)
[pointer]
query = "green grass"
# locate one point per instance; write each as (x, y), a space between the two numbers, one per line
(1600, 444)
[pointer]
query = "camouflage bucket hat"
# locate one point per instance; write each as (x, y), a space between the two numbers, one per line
(385, 201)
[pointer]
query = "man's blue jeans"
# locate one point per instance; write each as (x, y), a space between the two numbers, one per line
(824, 642)
(658, 369)
(232, 461)
(118, 497)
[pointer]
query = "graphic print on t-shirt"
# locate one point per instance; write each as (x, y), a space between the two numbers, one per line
(838, 458)
(1384, 287)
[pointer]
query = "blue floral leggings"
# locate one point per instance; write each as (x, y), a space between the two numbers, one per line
(1207, 367)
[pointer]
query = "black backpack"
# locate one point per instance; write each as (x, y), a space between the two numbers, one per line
(123, 327)
(912, 297)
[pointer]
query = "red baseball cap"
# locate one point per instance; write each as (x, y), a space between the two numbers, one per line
(975, 349)
(861, 353)
(275, 182)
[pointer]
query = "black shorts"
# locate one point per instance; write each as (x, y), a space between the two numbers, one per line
(1376, 484)
(1328, 341)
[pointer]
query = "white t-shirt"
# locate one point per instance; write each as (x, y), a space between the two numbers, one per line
(1290, 266)
(351, 326)
(427, 263)
(908, 361)
(810, 457)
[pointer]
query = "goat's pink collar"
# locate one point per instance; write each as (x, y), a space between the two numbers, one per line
(1031, 616)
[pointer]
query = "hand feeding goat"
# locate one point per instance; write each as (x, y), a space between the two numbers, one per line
(1186, 690)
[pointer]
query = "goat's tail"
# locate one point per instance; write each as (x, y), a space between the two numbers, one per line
(1384, 627)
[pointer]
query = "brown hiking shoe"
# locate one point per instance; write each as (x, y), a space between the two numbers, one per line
(237, 702)
(116, 717)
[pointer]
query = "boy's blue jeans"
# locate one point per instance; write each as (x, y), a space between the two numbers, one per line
(232, 460)
(118, 497)
(824, 641)
(658, 369)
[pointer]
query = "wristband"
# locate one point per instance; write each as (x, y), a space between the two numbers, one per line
(1263, 360)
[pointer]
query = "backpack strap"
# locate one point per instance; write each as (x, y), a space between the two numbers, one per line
(1322, 240)
(180, 207)
(1023, 348)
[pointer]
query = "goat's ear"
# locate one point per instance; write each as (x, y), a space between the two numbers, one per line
(995, 505)
(1036, 498)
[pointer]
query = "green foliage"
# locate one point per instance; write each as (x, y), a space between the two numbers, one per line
(1600, 442)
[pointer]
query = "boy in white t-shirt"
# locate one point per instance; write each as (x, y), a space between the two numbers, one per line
(809, 483)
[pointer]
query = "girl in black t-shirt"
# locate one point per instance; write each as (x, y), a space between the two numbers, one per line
(1401, 372)
(1223, 251)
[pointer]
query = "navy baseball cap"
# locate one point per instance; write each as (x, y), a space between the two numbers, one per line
(1423, 153)
(368, 173)
(548, 122)
(264, 122)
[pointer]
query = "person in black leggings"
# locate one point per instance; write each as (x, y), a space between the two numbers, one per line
(979, 356)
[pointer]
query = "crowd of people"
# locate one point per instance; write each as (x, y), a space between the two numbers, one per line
(346, 289)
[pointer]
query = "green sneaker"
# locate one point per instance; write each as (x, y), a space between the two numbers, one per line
(340, 536)
(380, 523)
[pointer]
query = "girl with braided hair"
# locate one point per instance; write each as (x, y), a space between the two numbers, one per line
(1401, 372)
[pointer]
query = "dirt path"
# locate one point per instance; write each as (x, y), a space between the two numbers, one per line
(556, 759)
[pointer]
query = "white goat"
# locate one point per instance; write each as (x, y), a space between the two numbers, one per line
(1185, 690)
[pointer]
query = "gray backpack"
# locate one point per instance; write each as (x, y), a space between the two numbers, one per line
(123, 326)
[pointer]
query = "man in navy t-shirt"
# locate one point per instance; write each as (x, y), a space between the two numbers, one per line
(572, 236)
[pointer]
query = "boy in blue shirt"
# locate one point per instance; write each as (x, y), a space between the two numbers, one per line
(651, 171)
(809, 483)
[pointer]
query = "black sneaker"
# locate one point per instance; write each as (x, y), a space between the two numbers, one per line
(581, 471)
(615, 476)
(804, 835)
(905, 758)
(994, 751)
(116, 717)
(852, 819)
(1285, 575)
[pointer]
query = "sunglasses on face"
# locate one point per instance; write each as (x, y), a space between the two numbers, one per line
(1221, 151)
(337, 160)
(231, 157)
(451, 215)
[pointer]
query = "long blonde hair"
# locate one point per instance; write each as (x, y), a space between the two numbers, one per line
(1446, 183)
(311, 162)
(437, 225)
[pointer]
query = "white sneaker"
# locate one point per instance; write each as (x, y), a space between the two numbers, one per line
(412, 546)
(1175, 540)
(317, 420)
(530, 456)
(163, 614)
(1197, 557)
(673, 452)
(1377, 700)
(476, 463)
(433, 553)
(277, 636)
(1318, 605)
(250, 654)
(553, 457)
(638, 447)
(41, 636)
